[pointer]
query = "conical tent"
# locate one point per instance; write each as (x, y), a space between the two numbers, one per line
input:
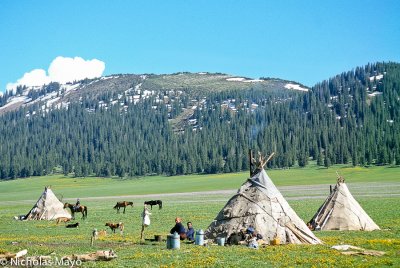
(259, 204)
(341, 211)
(48, 207)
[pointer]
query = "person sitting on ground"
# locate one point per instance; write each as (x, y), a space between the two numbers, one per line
(258, 236)
(179, 228)
(238, 238)
(252, 241)
(234, 239)
(190, 232)
(250, 230)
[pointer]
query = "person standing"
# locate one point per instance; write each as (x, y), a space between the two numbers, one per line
(145, 220)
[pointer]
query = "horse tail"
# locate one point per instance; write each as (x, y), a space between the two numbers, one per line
(115, 207)
(85, 210)
(160, 205)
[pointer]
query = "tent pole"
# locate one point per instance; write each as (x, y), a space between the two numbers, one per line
(251, 162)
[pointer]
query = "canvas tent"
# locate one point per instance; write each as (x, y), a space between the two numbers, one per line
(48, 207)
(341, 211)
(259, 204)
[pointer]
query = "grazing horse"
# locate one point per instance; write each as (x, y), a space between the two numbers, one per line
(114, 226)
(153, 203)
(83, 209)
(122, 204)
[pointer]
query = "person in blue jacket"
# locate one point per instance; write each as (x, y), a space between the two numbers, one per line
(190, 232)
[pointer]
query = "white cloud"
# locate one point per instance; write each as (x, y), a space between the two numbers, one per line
(62, 70)
(35, 77)
(68, 69)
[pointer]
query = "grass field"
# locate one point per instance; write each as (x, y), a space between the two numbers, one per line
(199, 200)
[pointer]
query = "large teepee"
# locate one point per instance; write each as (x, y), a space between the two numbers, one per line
(341, 211)
(48, 207)
(259, 204)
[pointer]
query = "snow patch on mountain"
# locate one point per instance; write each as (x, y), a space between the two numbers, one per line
(376, 77)
(15, 100)
(295, 87)
(69, 88)
(236, 79)
(252, 81)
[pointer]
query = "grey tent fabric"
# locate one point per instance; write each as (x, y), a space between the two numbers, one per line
(341, 211)
(48, 207)
(259, 204)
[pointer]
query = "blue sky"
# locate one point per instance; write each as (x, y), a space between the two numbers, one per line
(304, 41)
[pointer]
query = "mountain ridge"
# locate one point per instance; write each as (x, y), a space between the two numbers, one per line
(62, 94)
(136, 125)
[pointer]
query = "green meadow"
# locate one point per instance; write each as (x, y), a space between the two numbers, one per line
(198, 198)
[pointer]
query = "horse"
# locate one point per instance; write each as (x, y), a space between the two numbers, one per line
(122, 204)
(83, 209)
(114, 226)
(153, 203)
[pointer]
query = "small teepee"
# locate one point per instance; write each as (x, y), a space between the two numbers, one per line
(48, 207)
(341, 211)
(260, 205)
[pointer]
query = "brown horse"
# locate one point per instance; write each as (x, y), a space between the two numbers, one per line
(83, 209)
(122, 204)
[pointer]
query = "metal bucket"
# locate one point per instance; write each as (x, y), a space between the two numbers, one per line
(221, 241)
(173, 241)
(199, 238)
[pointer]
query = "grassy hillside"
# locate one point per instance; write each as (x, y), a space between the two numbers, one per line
(196, 82)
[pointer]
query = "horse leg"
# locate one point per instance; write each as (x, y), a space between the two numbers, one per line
(124, 209)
